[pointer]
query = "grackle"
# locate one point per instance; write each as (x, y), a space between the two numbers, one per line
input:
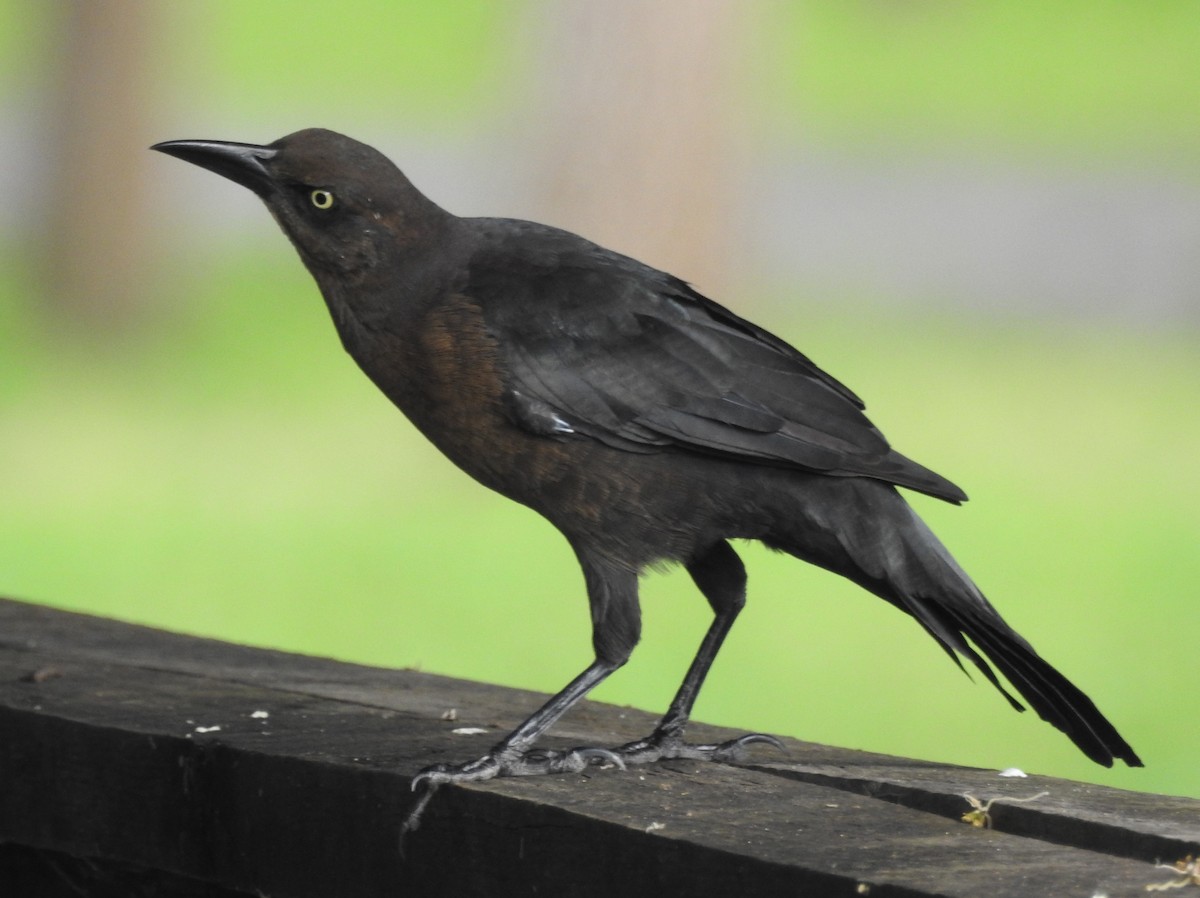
(646, 422)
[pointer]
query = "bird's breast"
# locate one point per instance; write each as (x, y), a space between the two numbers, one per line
(443, 370)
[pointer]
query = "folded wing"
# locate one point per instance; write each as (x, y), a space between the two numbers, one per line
(636, 359)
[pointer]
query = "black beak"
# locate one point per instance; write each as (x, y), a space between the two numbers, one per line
(243, 163)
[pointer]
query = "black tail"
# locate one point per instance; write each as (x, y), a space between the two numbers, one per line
(867, 532)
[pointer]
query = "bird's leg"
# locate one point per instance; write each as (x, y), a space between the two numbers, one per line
(515, 755)
(616, 624)
(721, 577)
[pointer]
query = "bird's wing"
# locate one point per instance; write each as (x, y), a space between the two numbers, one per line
(602, 346)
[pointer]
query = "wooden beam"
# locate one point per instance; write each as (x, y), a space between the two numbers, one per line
(129, 754)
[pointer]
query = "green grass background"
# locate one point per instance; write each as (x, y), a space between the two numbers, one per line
(230, 473)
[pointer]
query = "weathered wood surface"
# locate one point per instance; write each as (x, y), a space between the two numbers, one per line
(107, 786)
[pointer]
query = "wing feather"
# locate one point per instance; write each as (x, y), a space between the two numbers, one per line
(632, 357)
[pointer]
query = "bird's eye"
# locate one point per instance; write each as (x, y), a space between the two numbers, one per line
(322, 199)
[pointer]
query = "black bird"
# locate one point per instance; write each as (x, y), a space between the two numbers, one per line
(646, 422)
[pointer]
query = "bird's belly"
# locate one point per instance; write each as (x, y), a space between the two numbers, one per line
(638, 508)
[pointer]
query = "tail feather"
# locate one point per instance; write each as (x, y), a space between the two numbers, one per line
(1056, 699)
(954, 611)
(949, 635)
(868, 533)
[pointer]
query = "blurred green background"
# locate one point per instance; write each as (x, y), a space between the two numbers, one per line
(982, 217)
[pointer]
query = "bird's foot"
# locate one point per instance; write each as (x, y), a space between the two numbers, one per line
(501, 761)
(516, 762)
(665, 745)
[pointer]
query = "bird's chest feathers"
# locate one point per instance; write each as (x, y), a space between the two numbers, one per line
(444, 373)
(459, 367)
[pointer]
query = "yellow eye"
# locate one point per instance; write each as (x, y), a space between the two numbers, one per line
(322, 199)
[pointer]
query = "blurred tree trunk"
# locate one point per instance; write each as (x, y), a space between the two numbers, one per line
(94, 250)
(644, 131)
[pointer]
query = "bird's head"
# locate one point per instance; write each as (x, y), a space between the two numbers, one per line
(343, 204)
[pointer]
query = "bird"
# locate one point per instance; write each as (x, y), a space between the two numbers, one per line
(646, 422)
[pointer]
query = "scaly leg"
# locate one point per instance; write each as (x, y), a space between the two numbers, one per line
(721, 577)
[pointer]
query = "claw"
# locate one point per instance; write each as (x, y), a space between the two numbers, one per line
(412, 820)
(600, 756)
(734, 749)
(663, 745)
(500, 762)
(534, 762)
(659, 745)
(477, 771)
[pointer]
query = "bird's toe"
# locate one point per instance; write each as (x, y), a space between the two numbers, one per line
(735, 749)
(666, 746)
(512, 762)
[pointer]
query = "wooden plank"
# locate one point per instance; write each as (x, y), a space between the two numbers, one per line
(104, 762)
(1139, 825)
